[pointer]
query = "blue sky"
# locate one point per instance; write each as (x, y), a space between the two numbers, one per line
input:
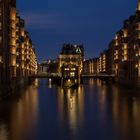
(90, 22)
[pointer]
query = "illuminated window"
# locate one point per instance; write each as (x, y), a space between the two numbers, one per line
(13, 13)
(72, 74)
(125, 46)
(67, 69)
(13, 50)
(13, 42)
(116, 57)
(0, 59)
(13, 25)
(13, 61)
(116, 36)
(125, 33)
(116, 42)
(125, 52)
(73, 69)
(17, 53)
(125, 58)
(78, 50)
(134, 47)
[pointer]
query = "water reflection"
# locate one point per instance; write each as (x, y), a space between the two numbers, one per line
(126, 112)
(71, 106)
(20, 115)
(50, 83)
(95, 110)
(3, 132)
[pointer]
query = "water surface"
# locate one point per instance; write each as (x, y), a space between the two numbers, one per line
(95, 110)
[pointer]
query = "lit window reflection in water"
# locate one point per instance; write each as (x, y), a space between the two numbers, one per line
(71, 104)
(94, 110)
(22, 115)
(3, 132)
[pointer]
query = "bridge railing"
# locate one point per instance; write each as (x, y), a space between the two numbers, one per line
(98, 75)
(45, 75)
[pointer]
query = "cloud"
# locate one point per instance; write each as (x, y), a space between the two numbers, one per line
(64, 22)
(41, 20)
(56, 20)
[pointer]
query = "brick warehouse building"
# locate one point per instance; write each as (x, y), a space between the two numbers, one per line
(17, 55)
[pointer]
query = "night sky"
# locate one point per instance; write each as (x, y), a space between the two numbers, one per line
(90, 22)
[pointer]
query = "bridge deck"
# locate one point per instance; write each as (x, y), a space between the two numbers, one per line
(83, 76)
(98, 75)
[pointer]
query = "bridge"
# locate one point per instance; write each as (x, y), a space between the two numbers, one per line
(99, 76)
(45, 75)
(55, 75)
(59, 80)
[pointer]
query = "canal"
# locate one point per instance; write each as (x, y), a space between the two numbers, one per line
(94, 111)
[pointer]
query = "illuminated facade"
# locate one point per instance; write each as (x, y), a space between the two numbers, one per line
(7, 39)
(17, 56)
(70, 61)
(91, 66)
(102, 65)
(122, 58)
(127, 50)
(71, 55)
(30, 65)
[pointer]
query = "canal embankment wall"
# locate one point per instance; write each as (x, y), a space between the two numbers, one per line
(8, 89)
